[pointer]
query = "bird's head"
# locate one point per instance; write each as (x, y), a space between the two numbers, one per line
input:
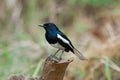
(48, 26)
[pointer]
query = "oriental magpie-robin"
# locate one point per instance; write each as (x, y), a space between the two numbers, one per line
(59, 40)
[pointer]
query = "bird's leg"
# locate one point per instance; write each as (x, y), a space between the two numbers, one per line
(56, 52)
(61, 54)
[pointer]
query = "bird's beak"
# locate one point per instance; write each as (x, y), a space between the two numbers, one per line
(41, 25)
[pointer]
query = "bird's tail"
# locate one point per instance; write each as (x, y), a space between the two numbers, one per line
(79, 54)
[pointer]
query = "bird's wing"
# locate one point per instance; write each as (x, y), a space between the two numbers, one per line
(64, 41)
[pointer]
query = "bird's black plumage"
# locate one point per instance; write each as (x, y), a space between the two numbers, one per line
(58, 39)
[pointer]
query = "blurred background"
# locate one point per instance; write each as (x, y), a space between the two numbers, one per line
(92, 25)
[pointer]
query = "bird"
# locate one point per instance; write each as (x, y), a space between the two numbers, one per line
(59, 40)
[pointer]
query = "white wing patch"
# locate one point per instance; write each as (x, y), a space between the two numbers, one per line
(63, 39)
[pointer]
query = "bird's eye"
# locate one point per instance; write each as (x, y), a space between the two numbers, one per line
(45, 25)
(48, 24)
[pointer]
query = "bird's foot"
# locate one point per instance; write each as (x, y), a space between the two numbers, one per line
(60, 59)
(56, 57)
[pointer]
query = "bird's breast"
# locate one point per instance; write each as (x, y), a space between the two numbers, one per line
(51, 38)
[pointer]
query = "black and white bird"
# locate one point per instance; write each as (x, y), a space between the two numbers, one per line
(58, 39)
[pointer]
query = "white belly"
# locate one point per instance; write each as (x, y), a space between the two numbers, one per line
(57, 45)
